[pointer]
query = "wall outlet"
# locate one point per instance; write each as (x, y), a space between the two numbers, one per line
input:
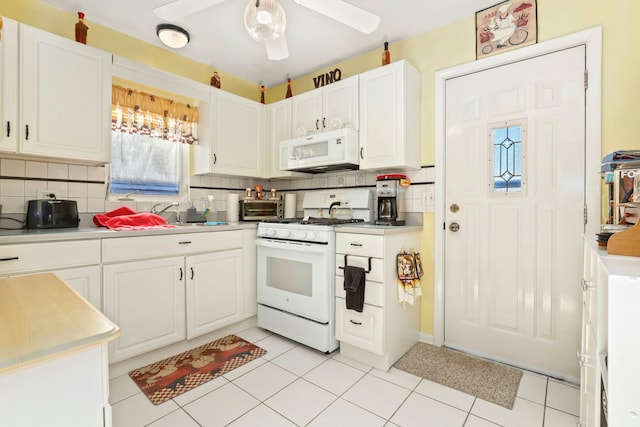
(427, 198)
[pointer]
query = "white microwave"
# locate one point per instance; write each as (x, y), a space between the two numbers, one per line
(322, 152)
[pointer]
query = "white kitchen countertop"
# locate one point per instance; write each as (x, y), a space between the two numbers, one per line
(42, 317)
(81, 233)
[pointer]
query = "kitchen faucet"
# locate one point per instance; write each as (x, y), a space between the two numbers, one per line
(154, 209)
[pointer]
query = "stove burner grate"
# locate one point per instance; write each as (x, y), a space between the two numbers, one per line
(313, 221)
(330, 221)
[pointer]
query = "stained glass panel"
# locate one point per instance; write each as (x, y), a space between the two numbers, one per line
(507, 159)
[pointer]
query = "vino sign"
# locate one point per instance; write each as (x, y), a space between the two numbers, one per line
(327, 78)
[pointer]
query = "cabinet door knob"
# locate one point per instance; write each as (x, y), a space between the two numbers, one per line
(361, 152)
(26, 127)
(192, 274)
(354, 322)
(13, 258)
(181, 273)
(8, 129)
(324, 126)
(318, 124)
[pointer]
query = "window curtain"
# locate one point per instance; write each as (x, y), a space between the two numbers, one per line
(136, 112)
(146, 137)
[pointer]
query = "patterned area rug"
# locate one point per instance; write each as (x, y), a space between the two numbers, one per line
(482, 378)
(170, 377)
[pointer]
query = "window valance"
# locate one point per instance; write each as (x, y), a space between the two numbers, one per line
(141, 113)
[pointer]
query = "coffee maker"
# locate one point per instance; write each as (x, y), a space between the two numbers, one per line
(388, 190)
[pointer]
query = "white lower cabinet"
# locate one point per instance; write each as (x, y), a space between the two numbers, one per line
(610, 339)
(188, 285)
(77, 262)
(214, 291)
(85, 281)
(362, 330)
(385, 329)
(146, 299)
(69, 390)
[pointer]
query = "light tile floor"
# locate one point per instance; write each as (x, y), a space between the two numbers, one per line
(293, 385)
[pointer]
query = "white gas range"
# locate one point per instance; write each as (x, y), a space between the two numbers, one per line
(296, 267)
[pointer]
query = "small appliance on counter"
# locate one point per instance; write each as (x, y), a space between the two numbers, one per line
(389, 190)
(52, 213)
(260, 209)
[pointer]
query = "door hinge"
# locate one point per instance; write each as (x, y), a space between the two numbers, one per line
(586, 79)
(585, 214)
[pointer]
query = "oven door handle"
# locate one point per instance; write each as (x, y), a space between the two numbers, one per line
(309, 248)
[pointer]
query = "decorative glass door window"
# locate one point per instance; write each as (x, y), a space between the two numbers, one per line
(508, 141)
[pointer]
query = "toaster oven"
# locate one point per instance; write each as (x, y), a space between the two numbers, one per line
(260, 209)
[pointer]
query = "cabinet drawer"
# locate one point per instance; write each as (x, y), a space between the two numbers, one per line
(128, 248)
(373, 291)
(376, 273)
(362, 330)
(48, 256)
(360, 244)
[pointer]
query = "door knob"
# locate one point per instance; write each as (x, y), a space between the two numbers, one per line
(454, 226)
(454, 208)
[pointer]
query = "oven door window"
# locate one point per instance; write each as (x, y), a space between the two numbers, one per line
(294, 277)
(290, 276)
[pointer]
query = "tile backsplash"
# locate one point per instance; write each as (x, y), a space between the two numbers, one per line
(23, 180)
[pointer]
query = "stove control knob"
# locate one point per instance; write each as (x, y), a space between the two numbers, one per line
(285, 233)
(270, 232)
(311, 235)
(301, 234)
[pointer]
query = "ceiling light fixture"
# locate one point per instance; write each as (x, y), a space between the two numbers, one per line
(265, 20)
(173, 36)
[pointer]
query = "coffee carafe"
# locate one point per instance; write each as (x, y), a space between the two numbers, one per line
(388, 192)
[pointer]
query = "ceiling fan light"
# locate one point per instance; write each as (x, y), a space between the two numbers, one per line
(263, 17)
(172, 36)
(264, 20)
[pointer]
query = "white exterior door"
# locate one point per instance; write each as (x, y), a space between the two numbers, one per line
(514, 203)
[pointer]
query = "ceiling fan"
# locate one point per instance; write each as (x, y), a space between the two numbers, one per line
(265, 19)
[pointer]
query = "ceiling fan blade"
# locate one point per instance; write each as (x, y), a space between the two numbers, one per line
(179, 9)
(277, 49)
(360, 19)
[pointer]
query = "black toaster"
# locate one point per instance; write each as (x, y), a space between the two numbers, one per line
(52, 213)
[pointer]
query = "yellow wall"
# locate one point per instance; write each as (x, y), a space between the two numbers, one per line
(438, 49)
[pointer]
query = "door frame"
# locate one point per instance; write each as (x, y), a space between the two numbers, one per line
(592, 39)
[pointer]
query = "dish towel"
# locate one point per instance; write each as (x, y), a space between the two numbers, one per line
(124, 218)
(354, 278)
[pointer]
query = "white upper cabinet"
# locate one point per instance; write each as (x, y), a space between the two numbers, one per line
(327, 108)
(231, 136)
(390, 117)
(9, 87)
(278, 129)
(65, 98)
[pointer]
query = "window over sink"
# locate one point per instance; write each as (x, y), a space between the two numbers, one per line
(150, 138)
